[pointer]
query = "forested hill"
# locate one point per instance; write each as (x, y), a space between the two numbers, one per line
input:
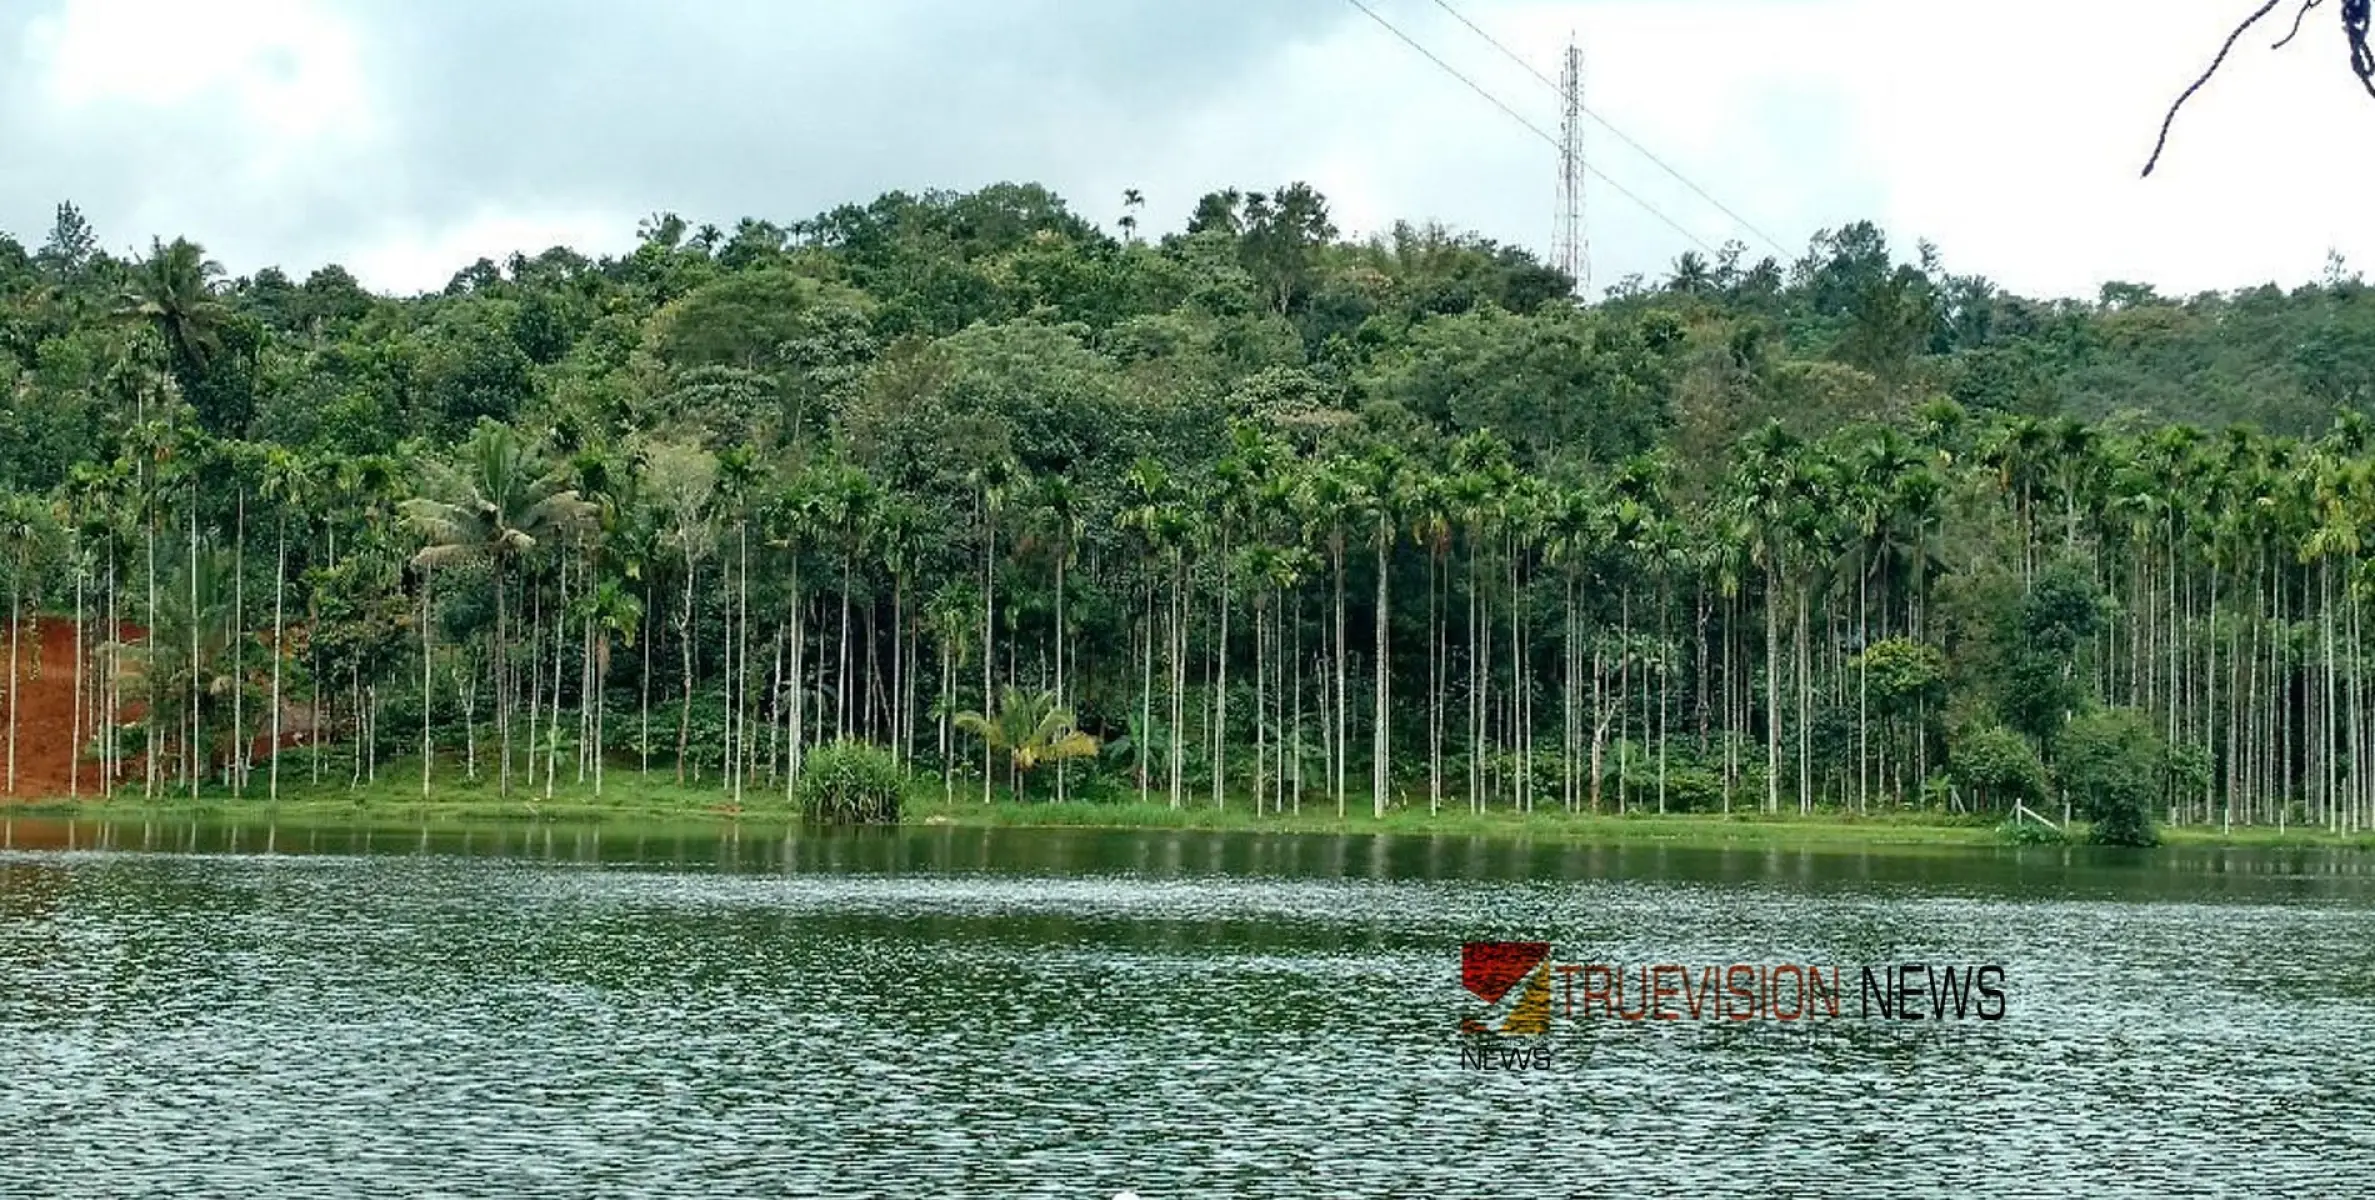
(1390, 518)
(1130, 341)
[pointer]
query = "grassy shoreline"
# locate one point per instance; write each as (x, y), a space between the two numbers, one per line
(639, 801)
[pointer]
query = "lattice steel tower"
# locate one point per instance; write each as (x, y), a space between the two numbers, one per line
(1571, 248)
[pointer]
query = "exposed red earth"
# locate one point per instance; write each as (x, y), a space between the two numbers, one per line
(45, 729)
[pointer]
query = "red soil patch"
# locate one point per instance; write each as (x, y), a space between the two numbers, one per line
(45, 731)
(45, 727)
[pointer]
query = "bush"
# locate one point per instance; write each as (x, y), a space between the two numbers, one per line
(1999, 766)
(2115, 763)
(850, 783)
(2029, 833)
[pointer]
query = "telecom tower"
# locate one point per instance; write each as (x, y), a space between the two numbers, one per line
(1571, 248)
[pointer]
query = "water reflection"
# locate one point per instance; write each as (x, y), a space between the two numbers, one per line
(247, 1009)
(2185, 872)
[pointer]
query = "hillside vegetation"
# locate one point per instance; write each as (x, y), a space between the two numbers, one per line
(1245, 513)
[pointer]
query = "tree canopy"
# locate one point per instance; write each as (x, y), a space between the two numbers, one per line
(1273, 514)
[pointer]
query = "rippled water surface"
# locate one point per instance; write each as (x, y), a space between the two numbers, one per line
(222, 1010)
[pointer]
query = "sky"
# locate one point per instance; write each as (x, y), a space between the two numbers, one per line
(407, 138)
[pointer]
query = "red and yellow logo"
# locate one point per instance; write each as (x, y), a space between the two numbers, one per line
(1490, 970)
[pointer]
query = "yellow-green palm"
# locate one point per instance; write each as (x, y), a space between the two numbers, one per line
(1032, 728)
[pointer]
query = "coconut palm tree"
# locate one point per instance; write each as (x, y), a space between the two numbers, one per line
(173, 291)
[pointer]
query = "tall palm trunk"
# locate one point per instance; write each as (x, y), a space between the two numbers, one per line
(1146, 696)
(428, 749)
(502, 684)
(643, 685)
(841, 688)
(1805, 702)
(741, 697)
(151, 734)
(902, 646)
(1343, 651)
(197, 692)
(1062, 552)
(552, 730)
(1772, 690)
(725, 681)
(280, 577)
(1220, 688)
(796, 721)
(989, 604)
(1478, 673)
(1178, 666)
(16, 614)
(1434, 685)
(684, 635)
(1380, 761)
(81, 663)
(238, 645)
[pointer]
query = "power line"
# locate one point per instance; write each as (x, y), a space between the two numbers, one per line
(1531, 127)
(1621, 135)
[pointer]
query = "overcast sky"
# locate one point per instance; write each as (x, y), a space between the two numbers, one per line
(407, 138)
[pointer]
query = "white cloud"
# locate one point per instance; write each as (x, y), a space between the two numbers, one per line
(284, 69)
(2010, 133)
(407, 257)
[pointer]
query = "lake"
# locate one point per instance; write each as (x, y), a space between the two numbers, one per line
(207, 1008)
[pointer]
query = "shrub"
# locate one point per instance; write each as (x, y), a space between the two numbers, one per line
(2116, 764)
(2029, 833)
(1999, 766)
(851, 783)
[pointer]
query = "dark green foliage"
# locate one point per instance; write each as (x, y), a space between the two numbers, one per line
(2116, 767)
(1998, 768)
(1757, 533)
(1902, 674)
(2065, 606)
(851, 783)
(2030, 833)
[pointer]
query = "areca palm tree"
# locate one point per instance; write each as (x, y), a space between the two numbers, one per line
(900, 534)
(1428, 511)
(993, 481)
(1763, 492)
(1330, 507)
(1380, 499)
(737, 477)
(494, 505)
(1061, 524)
(614, 613)
(98, 503)
(288, 485)
(1145, 494)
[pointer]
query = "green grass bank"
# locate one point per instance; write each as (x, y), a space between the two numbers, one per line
(396, 797)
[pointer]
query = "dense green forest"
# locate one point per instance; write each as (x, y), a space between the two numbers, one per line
(1281, 519)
